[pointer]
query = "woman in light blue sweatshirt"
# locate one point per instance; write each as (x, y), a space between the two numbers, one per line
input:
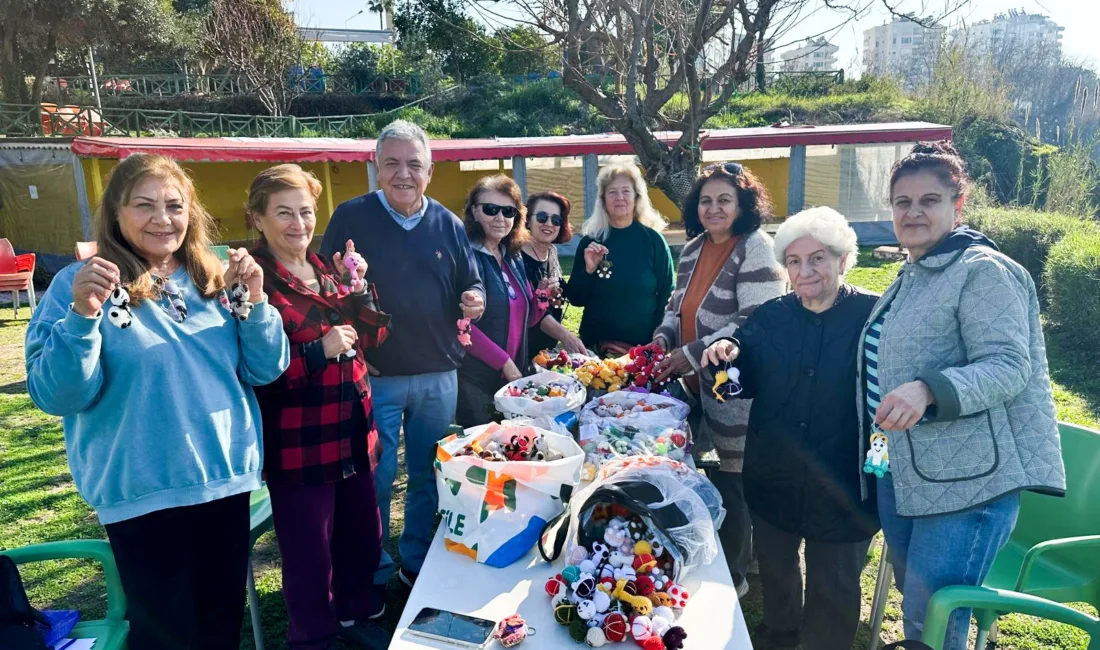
(149, 353)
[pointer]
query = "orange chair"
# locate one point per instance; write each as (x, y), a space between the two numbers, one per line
(17, 274)
(86, 250)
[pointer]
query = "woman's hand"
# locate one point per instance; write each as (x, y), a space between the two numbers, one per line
(473, 304)
(674, 363)
(593, 255)
(510, 371)
(660, 342)
(904, 406)
(338, 340)
(244, 269)
(573, 344)
(720, 352)
(92, 286)
(549, 285)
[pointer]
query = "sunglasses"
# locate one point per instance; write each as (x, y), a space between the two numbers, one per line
(731, 168)
(492, 210)
(554, 219)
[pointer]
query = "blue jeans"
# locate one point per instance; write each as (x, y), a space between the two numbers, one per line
(424, 405)
(932, 552)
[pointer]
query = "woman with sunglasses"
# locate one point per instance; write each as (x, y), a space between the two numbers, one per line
(548, 223)
(622, 274)
(725, 272)
(496, 224)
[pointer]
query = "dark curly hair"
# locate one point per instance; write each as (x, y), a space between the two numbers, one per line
(566, 231)
(754, 204)
(939, 157)
(519, 236)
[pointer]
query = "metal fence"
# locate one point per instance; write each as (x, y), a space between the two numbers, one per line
(226, 85)
(20, 120)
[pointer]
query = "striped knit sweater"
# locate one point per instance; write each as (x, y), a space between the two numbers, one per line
(749, 278)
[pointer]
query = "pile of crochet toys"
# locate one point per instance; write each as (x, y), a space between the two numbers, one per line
(620, 586)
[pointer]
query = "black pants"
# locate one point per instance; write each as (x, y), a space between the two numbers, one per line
(736, 531)
(183, 572)
(830, 615)
(475, 404)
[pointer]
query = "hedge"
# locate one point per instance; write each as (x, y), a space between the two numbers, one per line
(1072, 278)
(1027, 236)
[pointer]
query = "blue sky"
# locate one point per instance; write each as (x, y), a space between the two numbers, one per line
(1079, 17)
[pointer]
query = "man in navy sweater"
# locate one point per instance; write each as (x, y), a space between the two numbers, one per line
(420, 261)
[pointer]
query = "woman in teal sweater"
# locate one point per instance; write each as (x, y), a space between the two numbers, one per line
(622, 274)
(149, 353)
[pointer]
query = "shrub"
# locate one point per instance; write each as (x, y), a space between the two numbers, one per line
(1026, 236)
(1072, 277)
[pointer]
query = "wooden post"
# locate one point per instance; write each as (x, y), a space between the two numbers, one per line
(519, 174)
(328, 188)
(796, 188)
(591, 191)
(97, 182)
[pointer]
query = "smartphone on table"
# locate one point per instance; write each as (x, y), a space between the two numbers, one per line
(456, 629)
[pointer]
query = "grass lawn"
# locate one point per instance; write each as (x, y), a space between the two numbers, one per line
(38, 502)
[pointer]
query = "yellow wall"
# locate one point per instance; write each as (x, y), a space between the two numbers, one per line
(223, 187)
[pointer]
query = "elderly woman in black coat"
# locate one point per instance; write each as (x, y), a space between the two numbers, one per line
(796, 356)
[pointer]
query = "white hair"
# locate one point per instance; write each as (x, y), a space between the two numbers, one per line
(599, 223)
(404, 130)
(825, 225)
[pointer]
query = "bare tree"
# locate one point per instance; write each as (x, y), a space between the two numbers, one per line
(656, 72)
(258, 40)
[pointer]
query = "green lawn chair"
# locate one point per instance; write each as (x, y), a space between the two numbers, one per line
(949, 599)
(259, 522)
(110, 633)
(1054, 551)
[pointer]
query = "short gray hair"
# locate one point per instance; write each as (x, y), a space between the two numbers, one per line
(404, 130)
(825, 225)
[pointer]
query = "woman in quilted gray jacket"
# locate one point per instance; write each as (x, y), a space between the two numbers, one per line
(955, 393)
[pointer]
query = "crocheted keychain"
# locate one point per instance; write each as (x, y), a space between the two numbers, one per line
(603, 270)
(726, 382)
(120, 313)
(542, 298)
(878, 456)
(464, 330)
(512, 631)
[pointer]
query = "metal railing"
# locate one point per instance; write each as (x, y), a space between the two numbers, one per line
(226, 85)
(21, 120)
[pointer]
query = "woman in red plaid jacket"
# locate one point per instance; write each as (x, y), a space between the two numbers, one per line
(320, 443)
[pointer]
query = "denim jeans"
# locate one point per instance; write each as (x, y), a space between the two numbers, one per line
(932, 552)
(424, 406)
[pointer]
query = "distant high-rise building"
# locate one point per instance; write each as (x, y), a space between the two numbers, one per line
(1016, 28)
(901, 46)
(816, 55)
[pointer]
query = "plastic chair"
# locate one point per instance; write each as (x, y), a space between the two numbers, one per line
(17, 274)
(110, 633)
(260, 521)
(86, 249)
(1054, 551)
(949, 599)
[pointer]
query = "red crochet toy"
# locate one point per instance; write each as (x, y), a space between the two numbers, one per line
(643, 366)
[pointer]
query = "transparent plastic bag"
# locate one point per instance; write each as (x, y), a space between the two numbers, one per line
(626, 408)
(512, 406)
(680, 507)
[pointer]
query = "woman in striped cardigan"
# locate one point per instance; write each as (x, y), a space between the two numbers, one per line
(725, 272)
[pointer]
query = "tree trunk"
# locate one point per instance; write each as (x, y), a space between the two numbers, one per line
(673, 173)
(43, 68)
(11, 69)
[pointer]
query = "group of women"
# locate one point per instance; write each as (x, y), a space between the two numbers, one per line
(923, 412)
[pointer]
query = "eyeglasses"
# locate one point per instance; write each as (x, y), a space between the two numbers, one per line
(554, 219)
(492, 210)
(731, 168)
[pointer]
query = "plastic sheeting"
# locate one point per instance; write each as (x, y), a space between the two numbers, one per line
(40, 205)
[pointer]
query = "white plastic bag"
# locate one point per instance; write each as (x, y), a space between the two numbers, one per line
(551, 407)
(626, 408)
(493, 512)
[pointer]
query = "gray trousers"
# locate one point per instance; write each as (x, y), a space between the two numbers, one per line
(830, 615)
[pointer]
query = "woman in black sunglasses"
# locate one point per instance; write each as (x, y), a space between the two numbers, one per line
(548, 223)
(495, 219)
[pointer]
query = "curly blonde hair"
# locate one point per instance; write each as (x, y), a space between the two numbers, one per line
(599, 223)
